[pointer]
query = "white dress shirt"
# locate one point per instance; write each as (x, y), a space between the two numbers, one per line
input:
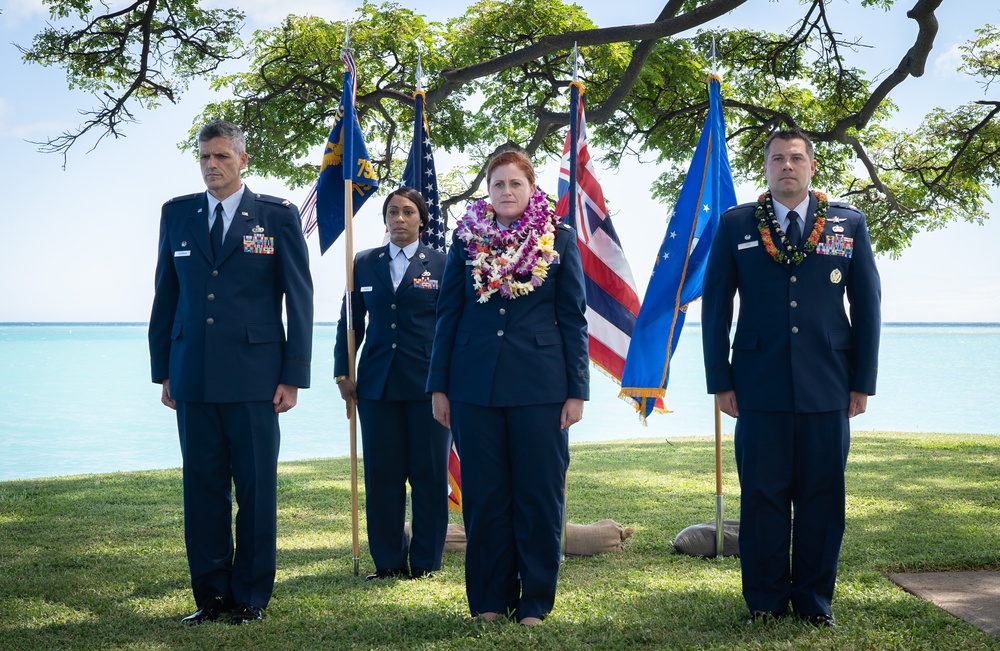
(398, 264)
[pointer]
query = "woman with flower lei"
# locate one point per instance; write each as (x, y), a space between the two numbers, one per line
(513, 260)
(509, 374)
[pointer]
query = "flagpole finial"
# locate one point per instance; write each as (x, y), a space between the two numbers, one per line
(420, 74)
(576, 63)
(715, 70)
(346, 50)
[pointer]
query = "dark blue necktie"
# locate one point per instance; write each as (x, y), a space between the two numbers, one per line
(216, 233)
(794, 231)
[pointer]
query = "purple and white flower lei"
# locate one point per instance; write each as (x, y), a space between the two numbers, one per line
(515, 261)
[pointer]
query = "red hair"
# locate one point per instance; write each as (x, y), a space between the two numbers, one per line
(511, 157)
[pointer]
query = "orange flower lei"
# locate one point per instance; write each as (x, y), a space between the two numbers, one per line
(766, 220)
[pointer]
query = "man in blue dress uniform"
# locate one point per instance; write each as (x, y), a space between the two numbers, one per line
(801, 366)
(226, 259)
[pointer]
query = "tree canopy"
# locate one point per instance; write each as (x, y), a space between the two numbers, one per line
(499, 76)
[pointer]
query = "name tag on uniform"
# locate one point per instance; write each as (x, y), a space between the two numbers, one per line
(182, 254)
(366, 288)
(747, 245)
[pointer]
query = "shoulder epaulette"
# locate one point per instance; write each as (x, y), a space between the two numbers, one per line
(186, 197)
(741, 206)
(844, 206)
(270, 199)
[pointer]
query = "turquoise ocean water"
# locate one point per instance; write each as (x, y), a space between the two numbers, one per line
(76, 398)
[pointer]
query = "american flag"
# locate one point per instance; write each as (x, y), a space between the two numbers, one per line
(612, 300)
(307, 212)
(454, 481)
(421, 175)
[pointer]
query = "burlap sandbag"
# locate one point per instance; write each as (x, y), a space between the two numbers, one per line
(581, 539)
(454, 540)
(596, 538)
(699, 539)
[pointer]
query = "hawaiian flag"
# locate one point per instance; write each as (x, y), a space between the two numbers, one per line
(420, 174)
(612, 300)
(679, 272)
(345, 158)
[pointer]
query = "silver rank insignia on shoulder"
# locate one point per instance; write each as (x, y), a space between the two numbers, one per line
(836, 276)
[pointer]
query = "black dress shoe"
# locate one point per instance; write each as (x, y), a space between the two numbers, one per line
(396, 573)
(819, 619)
(245, 613)
(421, 573)
(761, 616)
(209, 612)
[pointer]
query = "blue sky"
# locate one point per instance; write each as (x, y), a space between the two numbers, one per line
(79, 244)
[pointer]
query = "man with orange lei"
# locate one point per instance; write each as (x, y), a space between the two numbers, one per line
(801, 367)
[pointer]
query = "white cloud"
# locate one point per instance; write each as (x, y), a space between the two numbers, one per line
(30, 130)
(36, 131)
(946, 65)
(18, 11)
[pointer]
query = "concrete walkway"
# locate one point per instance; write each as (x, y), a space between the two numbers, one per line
(972, 596)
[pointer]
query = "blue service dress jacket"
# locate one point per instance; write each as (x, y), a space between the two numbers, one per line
(216, 330)
(393, 364)
(530, 350)
(402, 443)
(792, 329)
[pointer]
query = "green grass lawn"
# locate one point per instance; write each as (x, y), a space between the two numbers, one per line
(97, 562)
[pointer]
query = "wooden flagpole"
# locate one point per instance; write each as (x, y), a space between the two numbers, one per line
(348, 162)
(349, 235)
(720, 537)
(719, 519)
(576, 87)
